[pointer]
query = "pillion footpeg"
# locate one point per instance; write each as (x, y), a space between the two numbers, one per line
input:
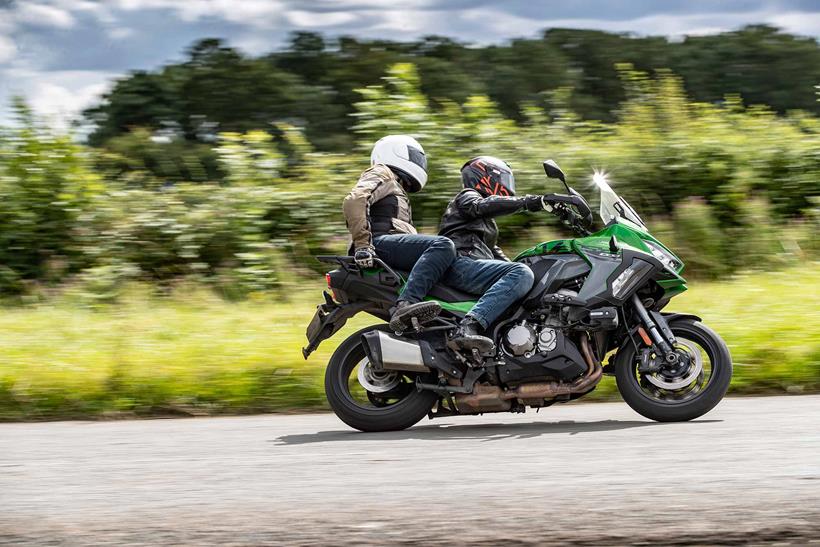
(414, 315)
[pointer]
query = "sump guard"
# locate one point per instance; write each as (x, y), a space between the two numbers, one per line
(328, 319)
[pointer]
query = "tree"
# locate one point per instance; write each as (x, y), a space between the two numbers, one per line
(759, 62)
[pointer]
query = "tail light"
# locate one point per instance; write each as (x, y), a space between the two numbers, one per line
(332, 290)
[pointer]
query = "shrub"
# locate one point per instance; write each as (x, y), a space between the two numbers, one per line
(45, 183)
(698, 239)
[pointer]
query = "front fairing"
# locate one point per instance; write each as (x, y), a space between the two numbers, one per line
(630, 238)
(596, 249)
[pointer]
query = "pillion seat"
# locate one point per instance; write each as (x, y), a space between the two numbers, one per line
(382, 279)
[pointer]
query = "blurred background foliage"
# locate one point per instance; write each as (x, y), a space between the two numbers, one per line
(214, 170)
(226, 173)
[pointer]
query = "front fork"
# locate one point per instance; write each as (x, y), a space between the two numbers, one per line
(663, 340)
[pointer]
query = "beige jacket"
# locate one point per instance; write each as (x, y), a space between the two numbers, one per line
(377, 205)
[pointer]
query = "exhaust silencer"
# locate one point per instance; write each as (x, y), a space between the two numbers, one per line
(391, 353)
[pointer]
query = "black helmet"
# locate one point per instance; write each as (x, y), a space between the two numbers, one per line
(490, 176)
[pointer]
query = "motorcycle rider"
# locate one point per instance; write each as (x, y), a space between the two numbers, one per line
(378, 216)
(481, 266)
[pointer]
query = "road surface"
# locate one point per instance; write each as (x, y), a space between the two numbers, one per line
(584, 474)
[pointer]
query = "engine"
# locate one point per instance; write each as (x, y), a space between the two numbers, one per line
(536, 352)
(524, 340)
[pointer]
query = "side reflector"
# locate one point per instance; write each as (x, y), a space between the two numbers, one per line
(644, 336)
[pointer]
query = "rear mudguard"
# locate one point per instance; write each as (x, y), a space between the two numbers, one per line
(329, 318)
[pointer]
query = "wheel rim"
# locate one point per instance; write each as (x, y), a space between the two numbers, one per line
(376, 381)
(368, 388)
(683, 381)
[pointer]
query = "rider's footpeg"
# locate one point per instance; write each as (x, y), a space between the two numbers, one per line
(477, 346)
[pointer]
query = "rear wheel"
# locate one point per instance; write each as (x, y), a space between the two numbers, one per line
(684, 391)
(368, 399)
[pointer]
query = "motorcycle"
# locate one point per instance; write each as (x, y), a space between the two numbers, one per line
(597, 297)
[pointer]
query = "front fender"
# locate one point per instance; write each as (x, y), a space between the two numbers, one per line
(671, 316)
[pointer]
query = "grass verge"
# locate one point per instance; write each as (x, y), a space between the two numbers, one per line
(193, 353)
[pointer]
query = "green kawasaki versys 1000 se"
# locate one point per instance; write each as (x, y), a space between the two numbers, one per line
(598, 297)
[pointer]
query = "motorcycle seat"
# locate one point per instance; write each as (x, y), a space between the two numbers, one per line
(444, 293)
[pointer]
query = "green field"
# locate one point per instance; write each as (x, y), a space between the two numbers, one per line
(193, 353)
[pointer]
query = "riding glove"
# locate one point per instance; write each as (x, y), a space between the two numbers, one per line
(534, 203)
(364, 257)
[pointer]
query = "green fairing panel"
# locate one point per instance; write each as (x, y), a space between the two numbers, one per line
(460, 307)
(559, 246)
(626, 237)
(672, 287)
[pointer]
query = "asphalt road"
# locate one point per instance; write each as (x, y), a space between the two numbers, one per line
(582, 474)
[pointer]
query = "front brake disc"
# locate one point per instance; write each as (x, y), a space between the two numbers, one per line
(678, 382)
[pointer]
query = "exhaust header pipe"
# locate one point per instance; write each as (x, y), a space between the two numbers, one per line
(391, 353)
(485, 398)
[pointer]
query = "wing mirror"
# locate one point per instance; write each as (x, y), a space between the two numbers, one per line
(553, 171)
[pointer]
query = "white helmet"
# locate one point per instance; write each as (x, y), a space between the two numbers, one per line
(405, 155)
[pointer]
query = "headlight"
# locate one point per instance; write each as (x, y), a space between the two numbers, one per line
(630, 277)
(666, 258)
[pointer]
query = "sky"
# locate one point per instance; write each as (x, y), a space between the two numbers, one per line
(61, 55)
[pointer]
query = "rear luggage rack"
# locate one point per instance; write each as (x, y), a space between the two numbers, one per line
(348, 264)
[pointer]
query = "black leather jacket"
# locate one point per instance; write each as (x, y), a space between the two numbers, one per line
(468, 222)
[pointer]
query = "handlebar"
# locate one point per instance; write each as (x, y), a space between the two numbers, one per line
(564, 203)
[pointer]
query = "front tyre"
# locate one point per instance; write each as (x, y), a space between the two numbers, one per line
(371, 400)
(681, 393)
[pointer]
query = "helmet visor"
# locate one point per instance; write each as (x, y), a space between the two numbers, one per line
(508, 182)
(417, 156)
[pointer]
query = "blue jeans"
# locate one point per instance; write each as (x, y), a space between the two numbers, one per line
(425, 257)
(500, 283)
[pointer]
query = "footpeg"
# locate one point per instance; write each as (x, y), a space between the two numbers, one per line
(479, 346)
(414, 316)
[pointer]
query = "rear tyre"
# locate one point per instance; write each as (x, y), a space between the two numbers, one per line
(392, 403)
(687, 396)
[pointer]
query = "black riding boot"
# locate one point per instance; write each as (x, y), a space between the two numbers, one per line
(468, 337)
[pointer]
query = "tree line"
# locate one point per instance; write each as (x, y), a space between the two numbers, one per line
(314, 83)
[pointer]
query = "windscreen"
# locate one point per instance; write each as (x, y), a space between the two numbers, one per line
(614, 207)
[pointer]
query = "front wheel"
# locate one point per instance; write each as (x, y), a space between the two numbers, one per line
(368, 399)
(684, 391)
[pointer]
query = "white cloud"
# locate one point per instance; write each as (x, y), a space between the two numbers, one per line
(407, 22)
(252, 13)
(120, 33)
(313, 19)
(7, 49)
(43, 15)
(798, 22)
(58, 95)
(672, 25)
